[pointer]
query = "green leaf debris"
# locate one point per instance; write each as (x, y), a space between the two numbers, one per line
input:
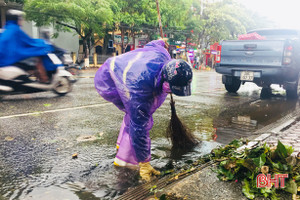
(244, 166)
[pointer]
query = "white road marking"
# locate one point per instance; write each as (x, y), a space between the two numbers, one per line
(56, 110)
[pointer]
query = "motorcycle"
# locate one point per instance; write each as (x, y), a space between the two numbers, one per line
(71, 67)
(16, 80)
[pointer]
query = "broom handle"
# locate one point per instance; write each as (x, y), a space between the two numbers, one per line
(172, 103)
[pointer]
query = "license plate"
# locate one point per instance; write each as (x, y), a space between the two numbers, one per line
(244, 119)
(247, 76)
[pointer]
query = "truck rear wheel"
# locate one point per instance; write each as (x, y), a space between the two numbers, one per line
(294, 93)
(266, 93)
(234, 86)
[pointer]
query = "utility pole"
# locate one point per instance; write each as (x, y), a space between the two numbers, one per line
(201, 7)
(159, 20)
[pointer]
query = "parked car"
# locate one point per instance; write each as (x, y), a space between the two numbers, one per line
(271, 58)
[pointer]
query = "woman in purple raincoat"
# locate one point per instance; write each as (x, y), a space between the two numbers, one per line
(138, 83)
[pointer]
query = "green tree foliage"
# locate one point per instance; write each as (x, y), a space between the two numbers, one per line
(224, 20)
(85, 17)
(174, 14)
(15, 1)
(204, 23)
(196, 20)
(132, 15)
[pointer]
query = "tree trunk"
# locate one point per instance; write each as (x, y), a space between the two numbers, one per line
(122, 40)
(105, 43)
(89, 45)
(85, 47)
(133, 40)
(186, 43)
(199, 40)
(104, 47)
(206, 44)
(148, 39)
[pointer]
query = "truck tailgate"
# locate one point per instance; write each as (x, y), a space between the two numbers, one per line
(252, 52)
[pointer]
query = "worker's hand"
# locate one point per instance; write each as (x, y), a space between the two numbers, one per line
(166, 87)
(166, 42)
(146, 171)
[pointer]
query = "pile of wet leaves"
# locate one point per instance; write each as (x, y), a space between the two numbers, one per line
(247, 165)
(244, 165)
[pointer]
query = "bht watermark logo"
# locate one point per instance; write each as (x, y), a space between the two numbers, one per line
(263, 181)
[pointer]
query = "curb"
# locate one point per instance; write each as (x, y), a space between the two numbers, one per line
(204, 68)
(269, 133)
(86, 77)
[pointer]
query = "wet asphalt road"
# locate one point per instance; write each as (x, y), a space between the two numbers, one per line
(40, 132)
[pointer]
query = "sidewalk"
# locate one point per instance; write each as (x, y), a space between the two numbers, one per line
(289, 136)
(88, 72)
(204, 184)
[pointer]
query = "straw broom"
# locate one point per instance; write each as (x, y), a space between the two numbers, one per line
(179, 134)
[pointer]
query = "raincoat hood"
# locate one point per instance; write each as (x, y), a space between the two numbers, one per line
(155, 43)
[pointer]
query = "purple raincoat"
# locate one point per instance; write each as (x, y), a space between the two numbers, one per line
(132, 81)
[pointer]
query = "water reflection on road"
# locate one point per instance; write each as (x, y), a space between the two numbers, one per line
(247, 118)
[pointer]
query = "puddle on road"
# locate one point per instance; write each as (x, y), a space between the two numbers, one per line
(245, 119)
(93, 176)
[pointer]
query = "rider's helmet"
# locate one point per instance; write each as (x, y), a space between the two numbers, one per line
(14, 15)
(178, 73)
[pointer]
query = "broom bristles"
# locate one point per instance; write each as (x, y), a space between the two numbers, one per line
(180, 135)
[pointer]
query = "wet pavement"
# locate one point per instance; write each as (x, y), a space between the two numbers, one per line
(39, 133)
(288, 135)
(205, 183)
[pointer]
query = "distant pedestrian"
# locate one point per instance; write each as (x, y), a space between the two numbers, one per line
(174, 52)
(197, 62)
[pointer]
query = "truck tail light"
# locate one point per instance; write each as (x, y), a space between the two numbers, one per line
(287, 55)
(218, 56)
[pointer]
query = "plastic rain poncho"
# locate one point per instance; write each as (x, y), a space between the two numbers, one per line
(132, 81)
(15, 46)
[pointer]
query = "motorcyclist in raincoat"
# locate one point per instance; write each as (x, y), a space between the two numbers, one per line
(138, 82)
(15, 45)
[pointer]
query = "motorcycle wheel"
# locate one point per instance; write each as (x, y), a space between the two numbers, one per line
(63, 86)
